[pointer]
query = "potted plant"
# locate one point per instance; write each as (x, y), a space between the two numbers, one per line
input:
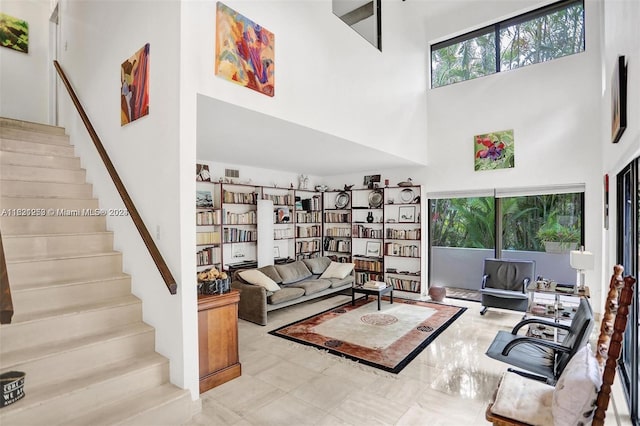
(558, 238)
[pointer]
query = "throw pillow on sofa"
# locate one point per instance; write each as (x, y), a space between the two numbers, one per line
(317, 265)
(338, 270)
(255, 277)
(293, 272)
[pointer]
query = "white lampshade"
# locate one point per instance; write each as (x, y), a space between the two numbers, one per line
(581, 260)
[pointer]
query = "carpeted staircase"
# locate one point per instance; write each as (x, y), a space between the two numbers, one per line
(77, 331)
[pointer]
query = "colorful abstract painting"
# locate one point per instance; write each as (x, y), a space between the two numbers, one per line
(244, 51)
(14, 33)
(134, 97)
(494, 150)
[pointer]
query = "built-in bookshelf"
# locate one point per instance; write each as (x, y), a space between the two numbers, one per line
(378, 229)
(283, 220)
(208, 226)
(308, 224)
(239, 223)
(336, 220)
(367, 233)
(403, 238)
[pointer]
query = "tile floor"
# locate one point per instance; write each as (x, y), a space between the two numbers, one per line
(285, 383)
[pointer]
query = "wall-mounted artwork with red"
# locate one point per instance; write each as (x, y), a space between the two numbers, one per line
(244, 51)
(134, 94)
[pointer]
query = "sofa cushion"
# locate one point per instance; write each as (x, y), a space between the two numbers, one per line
(317, 265)
(337, 282)
(312, 286)
(292, 272)
(337, 270)
(577, 389)
(255, 277)
(285, 294)
(271, 272)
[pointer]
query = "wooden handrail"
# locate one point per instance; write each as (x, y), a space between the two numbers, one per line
(133, 212)
(6, 302)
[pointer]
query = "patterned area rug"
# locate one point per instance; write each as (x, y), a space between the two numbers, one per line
(387, 339)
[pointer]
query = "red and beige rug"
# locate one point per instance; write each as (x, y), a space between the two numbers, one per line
(387, 339)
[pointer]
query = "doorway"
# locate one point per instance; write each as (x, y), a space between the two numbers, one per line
(628, 186)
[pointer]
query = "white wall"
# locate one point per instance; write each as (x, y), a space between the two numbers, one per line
(98, 37)
(621, 37)
(554, 110)
(327, 76)
(24, 77)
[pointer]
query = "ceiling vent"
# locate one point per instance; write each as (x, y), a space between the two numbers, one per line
(231, 173)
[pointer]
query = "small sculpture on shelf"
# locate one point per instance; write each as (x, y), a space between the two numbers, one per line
(348, 187)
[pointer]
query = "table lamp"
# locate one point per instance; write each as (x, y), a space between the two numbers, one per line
(581, 261)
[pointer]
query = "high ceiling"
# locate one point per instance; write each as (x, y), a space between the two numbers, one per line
(232, 134)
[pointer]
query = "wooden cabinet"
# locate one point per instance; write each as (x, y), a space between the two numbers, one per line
(218, 339)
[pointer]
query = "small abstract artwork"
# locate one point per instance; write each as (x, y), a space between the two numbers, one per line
(494, 150)
(134, 95)
(244, 51)
(14, 33)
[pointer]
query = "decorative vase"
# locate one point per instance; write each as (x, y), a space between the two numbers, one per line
(437, 294)
(370, 217)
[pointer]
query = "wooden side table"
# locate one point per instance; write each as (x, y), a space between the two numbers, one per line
(218, 339)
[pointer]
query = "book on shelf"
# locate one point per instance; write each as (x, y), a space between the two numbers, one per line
(207, 238)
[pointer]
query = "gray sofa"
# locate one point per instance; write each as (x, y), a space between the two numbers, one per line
(298, 281)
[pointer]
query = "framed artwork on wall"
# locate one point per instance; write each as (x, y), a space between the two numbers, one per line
(373, 248)
(134, 93)
(494, 150)
(406, 214)
(14, 33)
(244, 51)
(618, 99)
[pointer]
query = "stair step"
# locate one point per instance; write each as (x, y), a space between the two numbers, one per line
(39, 299)
(58, 402)
(39, 246)
(33, 136)
(30, 125)
(64, 269)
(16, 188)
(42, 174)
(18, 203)
(38, 148)
(39, 160)
(158, 406)
(62, 324)
(64, 359)
(63, 222)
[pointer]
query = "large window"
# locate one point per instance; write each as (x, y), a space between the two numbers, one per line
(524, 224)
(547, 33)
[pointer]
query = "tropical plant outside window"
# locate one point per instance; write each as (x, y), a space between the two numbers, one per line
(527, 221)
(541, 35)
(463, 222)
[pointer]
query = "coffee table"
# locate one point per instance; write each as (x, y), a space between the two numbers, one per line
(367, 291)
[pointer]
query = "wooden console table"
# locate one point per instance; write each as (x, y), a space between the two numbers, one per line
(218, 339)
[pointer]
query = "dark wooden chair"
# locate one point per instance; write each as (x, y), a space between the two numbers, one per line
(619, 299)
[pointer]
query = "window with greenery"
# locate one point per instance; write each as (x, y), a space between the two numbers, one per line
(463, 222)
(547, 33)
(530, 222)
(527, 222)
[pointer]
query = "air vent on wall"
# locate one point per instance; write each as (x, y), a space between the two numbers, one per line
(231, 173)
